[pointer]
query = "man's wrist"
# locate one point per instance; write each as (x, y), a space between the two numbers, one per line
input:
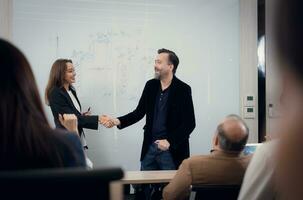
(117, 122)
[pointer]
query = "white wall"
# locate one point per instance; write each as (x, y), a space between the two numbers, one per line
(249, 60)
(273, 79)
(6, 9)
(215, 40)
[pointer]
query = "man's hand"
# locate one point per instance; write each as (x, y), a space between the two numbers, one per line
(163, 144)
(69, 121)
(103, 119)
(109, 122)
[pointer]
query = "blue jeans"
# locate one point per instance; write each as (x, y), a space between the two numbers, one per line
(156, 159)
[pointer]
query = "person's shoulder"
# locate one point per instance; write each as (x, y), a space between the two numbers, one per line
(70, 146)
(267, 148)
(152, 81)
(264, 156)
(56, 91)
(245, 159)
(66, 136)
(181, 84)
(198, 159)
(66, 141)
(194, 162)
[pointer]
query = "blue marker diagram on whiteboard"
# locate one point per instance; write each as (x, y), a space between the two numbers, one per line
(113, 69)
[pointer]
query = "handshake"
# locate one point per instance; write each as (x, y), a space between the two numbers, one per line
(70, 121)
(108, 121)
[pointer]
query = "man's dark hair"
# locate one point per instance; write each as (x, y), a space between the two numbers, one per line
(228, 144)
(172, 58)
(289, 34)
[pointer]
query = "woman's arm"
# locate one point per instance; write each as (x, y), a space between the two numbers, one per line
(60, 105)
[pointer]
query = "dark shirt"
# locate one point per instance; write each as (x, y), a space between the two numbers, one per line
(180, 117)
(160, 115)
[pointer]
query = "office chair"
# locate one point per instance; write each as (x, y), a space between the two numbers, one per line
(57, 184)
(214, 192)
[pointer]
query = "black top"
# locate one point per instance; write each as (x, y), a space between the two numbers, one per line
(61, 103)
(60, 143)
(180, 117)
(159, 125)
(73, 154)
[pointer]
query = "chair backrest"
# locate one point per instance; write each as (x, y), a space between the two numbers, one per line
(58, 184)
(214, 192)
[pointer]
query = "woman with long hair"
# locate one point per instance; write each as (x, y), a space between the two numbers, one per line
(26, 139)
(61, 96)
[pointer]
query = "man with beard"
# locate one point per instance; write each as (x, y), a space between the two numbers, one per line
(167, 103)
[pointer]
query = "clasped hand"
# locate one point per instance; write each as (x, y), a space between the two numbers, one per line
(108, 121)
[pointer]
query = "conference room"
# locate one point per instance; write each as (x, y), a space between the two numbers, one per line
(138, 93)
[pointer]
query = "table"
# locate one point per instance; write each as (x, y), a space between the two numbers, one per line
(140, 177)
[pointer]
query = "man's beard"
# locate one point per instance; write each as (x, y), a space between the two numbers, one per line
(157, 75)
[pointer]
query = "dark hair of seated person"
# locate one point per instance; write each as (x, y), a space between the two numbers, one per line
(26, 139)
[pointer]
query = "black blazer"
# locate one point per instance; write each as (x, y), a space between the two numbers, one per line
(61, 103)
(180, 117)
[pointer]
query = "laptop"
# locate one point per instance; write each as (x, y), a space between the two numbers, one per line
(251, 148)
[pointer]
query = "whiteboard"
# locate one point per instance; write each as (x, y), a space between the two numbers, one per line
(113, 45)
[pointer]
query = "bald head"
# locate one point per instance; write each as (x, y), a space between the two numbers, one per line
(232, 133)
